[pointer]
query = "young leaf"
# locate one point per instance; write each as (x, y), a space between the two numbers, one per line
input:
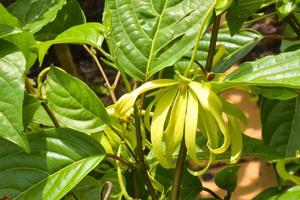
(12, 68)
(71, 14)
(73, 103)
(33, 15)
(60, 158)
(89, 33)
(280, 70)
(240, 11)
(227, 178)
(281, 125)
(6, 18)
(285, 7)
(148, 36)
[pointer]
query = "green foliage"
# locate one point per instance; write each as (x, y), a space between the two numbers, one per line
(173, 58)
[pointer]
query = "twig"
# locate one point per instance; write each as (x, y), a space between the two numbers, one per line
(126, 162)
(213, 42)
(212, 193)
(279, 37)
(50, 114)
(108, 192)
(175, 193)
(117, 79)
(111, 91)
(140, 155)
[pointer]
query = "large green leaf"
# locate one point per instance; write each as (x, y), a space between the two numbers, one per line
(12, 68)
(73, 103)
(30, 105)
(25, 42)
(236, 47)
(281, 125)
(60, 158)
(280, 70)
(70, 15)
(149, 35)
(89, 33)
(6, 18)
(34, 14)
(240, 11)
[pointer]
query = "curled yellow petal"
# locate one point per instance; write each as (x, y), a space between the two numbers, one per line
(157, 126)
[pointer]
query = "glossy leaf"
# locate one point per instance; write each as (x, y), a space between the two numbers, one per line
(6, 18)
(227, 178)
(30, 105)
(60, 158)
(240, 11)
(150, 35)
(280, 70)
(89, 33)
(236, 47)
(25, 42)
(33, 15)
(6, 30)
(281, 125)
(73, 103)
(12, 68)
(70, 15)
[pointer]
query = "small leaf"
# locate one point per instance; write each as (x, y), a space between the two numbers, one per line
(240, 11)
(30, 105)
(147, 36)
(34, 15)
(281, 125)
(285, 7)
(6, 18)
(73, 103)
(222, 6)
(12, 68)
(71, 14)
(89, 33)
(60, 159)
(227, 178)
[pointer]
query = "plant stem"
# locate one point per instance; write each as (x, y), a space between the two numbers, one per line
(179, 171)
(126, 162)
(50, 114)
(213, 42)
(198, 37)
(111, 91)
(140, 155)
(279, 37)
(228, 196)
(212, 193)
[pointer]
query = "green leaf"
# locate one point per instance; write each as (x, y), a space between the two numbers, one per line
(150, 35)
(30, 105)
(89, 33)
(292, 193)
(41, 118)
(222, 6)
(285, 7)
(25, 42)
(71, 14)
(281, 125)
(227, 178)
(8, 30)
(34, 15)
(281, 70)
(6, 18)
(236, 47)
(12, 68)
(240, 11)
(73, 103)
(60, 159)
(89, 188)
(275, 92)
(190, 185)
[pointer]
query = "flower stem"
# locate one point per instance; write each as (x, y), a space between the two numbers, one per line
(179, 172)
(213, 42)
